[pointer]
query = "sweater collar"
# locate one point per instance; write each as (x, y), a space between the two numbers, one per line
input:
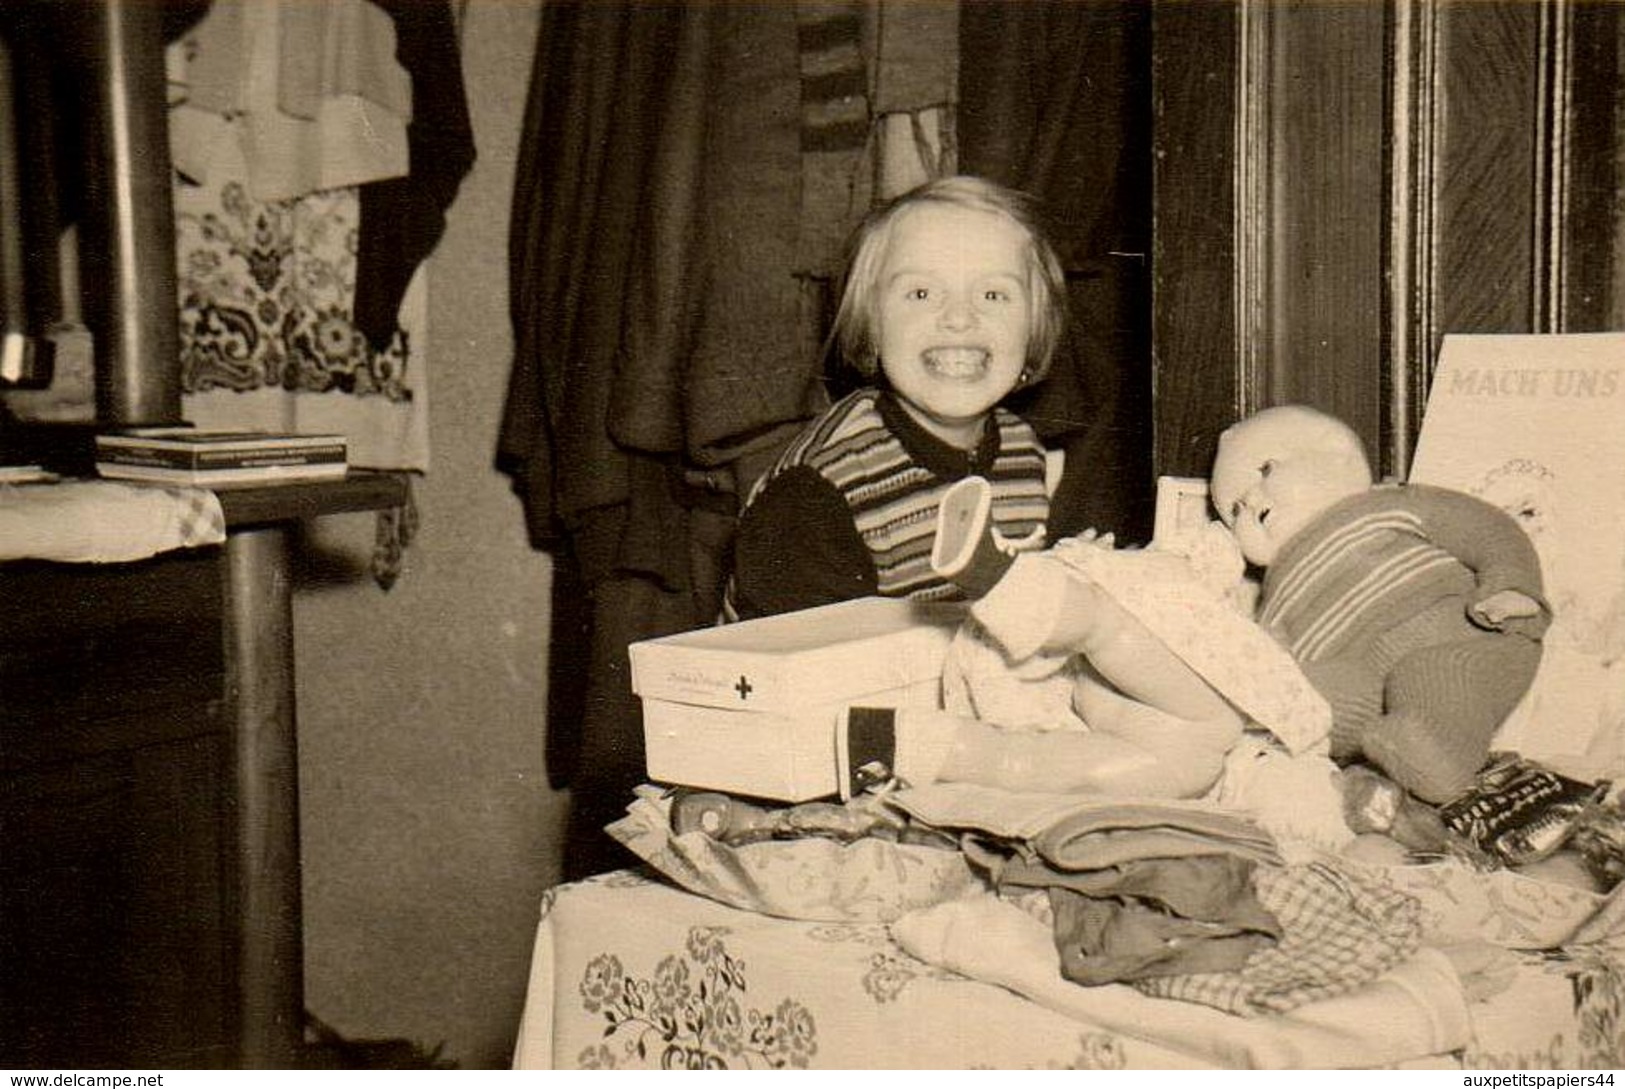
(941, 458)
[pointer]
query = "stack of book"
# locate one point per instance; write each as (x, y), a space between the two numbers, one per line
(205, 458)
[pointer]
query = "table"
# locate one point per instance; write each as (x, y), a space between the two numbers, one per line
(150, 907)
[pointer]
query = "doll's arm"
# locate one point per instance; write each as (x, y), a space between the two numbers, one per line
(1505, 605)
(1490, 544)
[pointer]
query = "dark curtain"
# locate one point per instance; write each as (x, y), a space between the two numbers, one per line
(662, 352)
(1057, 103)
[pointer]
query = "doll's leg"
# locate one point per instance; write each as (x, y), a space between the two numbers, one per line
(1075, 761)
(1444, 705)
(1353, 686)
(1130, 748)
(1033, 602)
(1189, 752)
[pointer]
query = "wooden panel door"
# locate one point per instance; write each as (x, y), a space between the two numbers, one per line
(1337, 186)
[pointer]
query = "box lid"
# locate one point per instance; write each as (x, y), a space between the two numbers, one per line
(814, 656)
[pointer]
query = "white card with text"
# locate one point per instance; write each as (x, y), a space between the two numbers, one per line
(1536, 425)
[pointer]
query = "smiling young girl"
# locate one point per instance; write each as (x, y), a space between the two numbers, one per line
(953, 299)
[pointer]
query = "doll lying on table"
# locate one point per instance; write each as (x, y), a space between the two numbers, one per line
(1416, 613)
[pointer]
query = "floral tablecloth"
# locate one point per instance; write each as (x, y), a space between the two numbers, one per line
(628, 971)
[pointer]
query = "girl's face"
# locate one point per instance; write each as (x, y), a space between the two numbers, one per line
(954, 316)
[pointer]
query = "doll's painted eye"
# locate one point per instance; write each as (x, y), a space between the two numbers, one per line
(1266, 469)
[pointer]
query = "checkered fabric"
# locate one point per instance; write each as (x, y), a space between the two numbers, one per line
(198, 517)
(1340, 931)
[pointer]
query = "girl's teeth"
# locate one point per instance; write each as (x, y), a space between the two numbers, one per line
(956, 361)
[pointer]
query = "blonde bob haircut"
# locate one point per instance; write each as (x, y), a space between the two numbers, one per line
(854, 327)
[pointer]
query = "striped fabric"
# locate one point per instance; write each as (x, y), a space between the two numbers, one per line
(878, 82)
(1376, 613)
(1355, 580)
(836, 183)
(894, 499)
(834, 76)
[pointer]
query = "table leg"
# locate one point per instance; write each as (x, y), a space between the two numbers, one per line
(260, 696)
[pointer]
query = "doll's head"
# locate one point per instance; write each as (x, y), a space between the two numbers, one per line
(953, 293)
(1279, 469)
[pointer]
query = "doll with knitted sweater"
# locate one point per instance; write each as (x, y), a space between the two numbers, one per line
(1415, 612)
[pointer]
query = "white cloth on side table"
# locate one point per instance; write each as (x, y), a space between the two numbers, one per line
(105, 521)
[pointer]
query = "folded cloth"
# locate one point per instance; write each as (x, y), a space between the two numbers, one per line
(1084, 832)
(1212, 889)
(104, 521)
(1417, 1009)
(1108, 834)
(1339, 931)
(1109, 940)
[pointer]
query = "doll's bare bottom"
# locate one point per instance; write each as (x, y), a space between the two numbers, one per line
(1126, 658)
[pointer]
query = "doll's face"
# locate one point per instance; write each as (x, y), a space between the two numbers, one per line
(1280, 469)
(953, 316)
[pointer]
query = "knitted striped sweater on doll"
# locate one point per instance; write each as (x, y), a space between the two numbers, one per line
(1417, 612)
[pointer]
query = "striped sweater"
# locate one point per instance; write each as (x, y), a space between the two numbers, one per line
(1381, 557)
(850, 507)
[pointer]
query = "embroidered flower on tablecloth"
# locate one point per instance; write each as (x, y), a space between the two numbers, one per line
(727, 1023)
(602, 982)
(1099, 1051)
(705, 942)
(798, 1035)
(671, 981)
(886, 977)
(596, 1058)
(687, 1015)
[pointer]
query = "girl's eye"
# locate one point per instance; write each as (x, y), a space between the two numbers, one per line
(918, 294)
(1235, 510)
(993, 294)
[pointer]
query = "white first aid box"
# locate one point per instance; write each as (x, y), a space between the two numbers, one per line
(753, 708)
(801, 659)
